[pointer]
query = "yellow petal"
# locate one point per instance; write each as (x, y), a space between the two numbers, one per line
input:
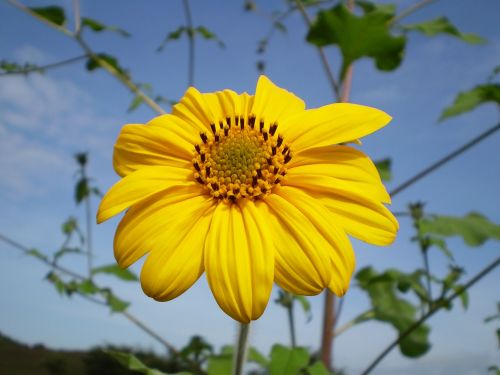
(331, 124)
(239, 260)
(147, 225)
(347, 183)
(140, 185)
(340, 255)
(144, 145)
(177, 259)
(194, 109)
(274, 104)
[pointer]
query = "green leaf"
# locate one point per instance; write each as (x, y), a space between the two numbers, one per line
(131, 362)
(115, 270)
(287, 361)
(390, 308)
(87, 287)
(98, 27)
(69, 226)
(93, 64)
(135, 103)
(115, 303)
(318, 368)
(474, 228)
(221, 364)
(384, 169)
(440, 243)
(173, 35)
(13, 67)
(464, 295)
(369, 7)
(208, 35)
(468, 100)
(66, 250)
(358, 36)
(81, 190)
(255, 356)
(442, 25)
(52, 14)
(306, 306)
(37, 254)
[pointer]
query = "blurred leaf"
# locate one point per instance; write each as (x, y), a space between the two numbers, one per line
(255, 356)
(131, 362)
(37, 254)
(135, 103)
(494, 73)
(98, 27)
(468, 100)
(221, 364)
(58, 283)
(93, 64)
(474, 228)
(287, 361)
(306, 306)
(81, 158)
(81, 190)
(493, 317)
(384, 169)
(358, 36)
(87, 287)
(197, 348)
(369, 7)
(115, 270)
(389, 308)
(115, 303)
(495, 369)
(208, 35)
(67, 250)
(440, 243)
(318, 368)
(280, 26)
(53, 14)
(69, 226)
(464, 295)
(442, 25)
(173, 35)
(13, 67)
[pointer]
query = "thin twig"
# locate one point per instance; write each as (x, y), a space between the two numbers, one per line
(76, 11)
(411, 9)
(88, 224)
(425, 254)
(321, 52)
(431, 312)
(360, 318)
(444, 160)
(41, 69)
(191, 42)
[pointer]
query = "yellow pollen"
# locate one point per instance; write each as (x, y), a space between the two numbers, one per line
(240, 159)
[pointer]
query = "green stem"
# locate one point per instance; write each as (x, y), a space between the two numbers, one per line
(291, 324)
(240, 353)
(425, 254)
(43, 68)
(190, 33)
(359, 319)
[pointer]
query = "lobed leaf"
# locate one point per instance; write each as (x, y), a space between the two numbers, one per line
(359, 36)
(52, 14)
(93, 64)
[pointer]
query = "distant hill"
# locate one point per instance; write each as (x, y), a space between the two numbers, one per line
(21, 359)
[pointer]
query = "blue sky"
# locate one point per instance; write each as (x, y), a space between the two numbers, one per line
(44, 120)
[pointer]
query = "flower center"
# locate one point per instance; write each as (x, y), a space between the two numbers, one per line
(240, 159)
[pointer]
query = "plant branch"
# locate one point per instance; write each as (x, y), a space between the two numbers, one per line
(360, 318)
(291, 324)
(191, 42)
(411, 9)
(77, 276)
(425, 255)
(322, 55)
(239, 356)
(431, 312)
(41, 69)
(444, 160)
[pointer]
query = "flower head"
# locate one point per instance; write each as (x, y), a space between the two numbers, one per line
(251, 189)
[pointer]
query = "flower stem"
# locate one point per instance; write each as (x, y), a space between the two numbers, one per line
(191, 35)
(240, 353)
(291, 324)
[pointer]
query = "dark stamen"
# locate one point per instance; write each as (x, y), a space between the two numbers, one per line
(280, 141)
(196, 166)
(259, 173)
(215, 185)
(200, 180)
(212, 126)
(226, 131)
(197, 148)
(273, 150)
(285, 150)
(269, 161)
(217, 138)
(242, 122)
(273, 128)
(265, 135)
(251, 121)
(263, 189)
(207, 170)
(236, 190)
(232, 198)
(254, 181)
(261, 125)
(221, 124)
(288, 157)
(204, 137)
(228, 120)
(202, 156)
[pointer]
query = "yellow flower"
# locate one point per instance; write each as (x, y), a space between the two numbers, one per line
(251, 190)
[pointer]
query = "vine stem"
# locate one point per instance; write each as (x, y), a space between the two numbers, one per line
(191, 41)
(412, 9)
(444, 160)
(42, 68)
(240, 354)
(431, 312)
(324, 61)
(291, 324)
